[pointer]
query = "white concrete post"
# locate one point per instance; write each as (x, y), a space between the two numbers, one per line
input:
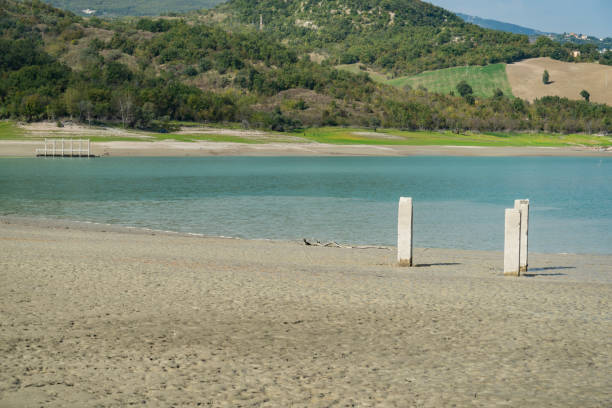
(62, 147)
(71, 149)
(404, 232)
(45, 147)
(88, 147)
(53, 147)
(512, 242)
(523, 207)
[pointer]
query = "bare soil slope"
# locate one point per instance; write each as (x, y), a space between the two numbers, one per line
(567, 79)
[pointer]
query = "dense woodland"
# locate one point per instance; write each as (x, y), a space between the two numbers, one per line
(145, 73)
(400, 36)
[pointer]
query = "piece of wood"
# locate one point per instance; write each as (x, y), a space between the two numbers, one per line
(333, 244)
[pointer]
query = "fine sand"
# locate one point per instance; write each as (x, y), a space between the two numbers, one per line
(567, 79)
(100, 316)
(9, 148)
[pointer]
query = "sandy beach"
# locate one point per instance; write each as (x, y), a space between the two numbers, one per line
(10, 148)
(93, 315)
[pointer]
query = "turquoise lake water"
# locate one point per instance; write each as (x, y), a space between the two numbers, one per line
(459, 202)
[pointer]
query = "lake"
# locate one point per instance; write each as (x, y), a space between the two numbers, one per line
(459, 202)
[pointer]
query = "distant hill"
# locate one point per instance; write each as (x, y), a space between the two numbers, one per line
(602, 44)
(132, 7)
(500, 25)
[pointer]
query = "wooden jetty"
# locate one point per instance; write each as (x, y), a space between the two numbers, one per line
(65, 148)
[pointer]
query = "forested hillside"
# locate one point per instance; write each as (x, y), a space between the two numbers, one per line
(400, 36)
(145, 73)
(115, 8)
(55, 64)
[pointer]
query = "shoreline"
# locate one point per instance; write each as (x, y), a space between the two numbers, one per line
(61, 224)
(10, 148)
(93, 226)
(92, 318)
(42, 222)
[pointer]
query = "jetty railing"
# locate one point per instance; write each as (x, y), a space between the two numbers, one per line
(65, 148)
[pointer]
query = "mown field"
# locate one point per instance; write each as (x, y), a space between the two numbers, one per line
(331, 135)
(567, 79)
(10, 131)
(484, 80)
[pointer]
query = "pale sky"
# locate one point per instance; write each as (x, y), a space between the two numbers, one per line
(592, 17)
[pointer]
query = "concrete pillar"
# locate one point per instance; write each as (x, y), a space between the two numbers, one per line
(404, 232)
(512, 243)
(523, 207)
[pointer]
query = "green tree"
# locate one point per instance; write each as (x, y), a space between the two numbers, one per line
(33, 107)
(464, 89)
(585, 94)
(546, 77)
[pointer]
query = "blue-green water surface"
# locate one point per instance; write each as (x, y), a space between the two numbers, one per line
(459, 201)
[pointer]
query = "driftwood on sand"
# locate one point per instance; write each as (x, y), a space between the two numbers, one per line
(332, 244)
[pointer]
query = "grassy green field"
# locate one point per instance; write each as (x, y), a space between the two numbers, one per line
(10, 131)
(331, 135)
(484, 80)
(397, 137)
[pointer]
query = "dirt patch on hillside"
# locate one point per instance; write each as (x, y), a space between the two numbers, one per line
(567, 79)
(316, 57)
(50, 129)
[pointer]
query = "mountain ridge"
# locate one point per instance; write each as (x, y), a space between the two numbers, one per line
(500, 25)
(603, 44)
